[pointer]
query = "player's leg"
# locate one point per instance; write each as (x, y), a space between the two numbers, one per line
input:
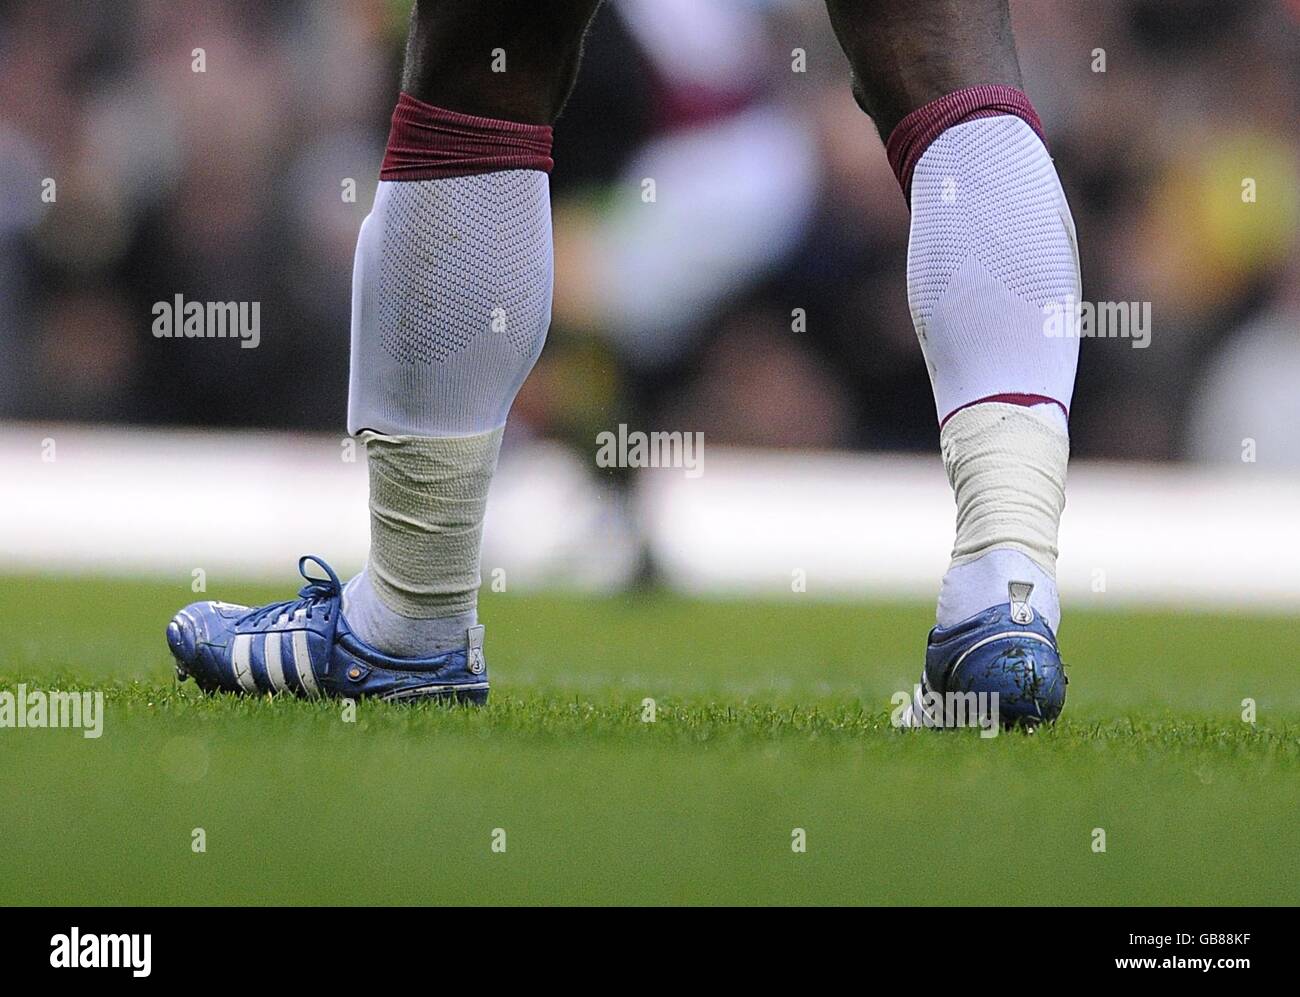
(496, 58)
(992, 251)
(452, 296)
(907, 53)
(451, 303)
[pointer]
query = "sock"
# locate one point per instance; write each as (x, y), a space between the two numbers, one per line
(992, 253)
(403, 637)
(451, 303)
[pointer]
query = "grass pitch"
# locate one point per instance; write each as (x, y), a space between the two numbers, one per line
(769, 717)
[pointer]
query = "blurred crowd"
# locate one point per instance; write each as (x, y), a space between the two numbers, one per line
(730, 241)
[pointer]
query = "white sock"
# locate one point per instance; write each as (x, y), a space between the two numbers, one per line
(398, 635)
(451, 299)
(451, 302)
(993, 246)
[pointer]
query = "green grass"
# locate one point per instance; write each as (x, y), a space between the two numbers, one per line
(770, 717)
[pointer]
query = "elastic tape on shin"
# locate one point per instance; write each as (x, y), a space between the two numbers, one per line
(1007, 469)
(427, 500)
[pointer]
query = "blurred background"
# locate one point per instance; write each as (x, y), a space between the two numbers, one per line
(774, 199)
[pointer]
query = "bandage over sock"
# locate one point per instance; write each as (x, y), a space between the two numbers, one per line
(1007, 469)
(427, 499)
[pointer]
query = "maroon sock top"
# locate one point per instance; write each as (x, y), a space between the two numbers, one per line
(432, 143)
(914, 133)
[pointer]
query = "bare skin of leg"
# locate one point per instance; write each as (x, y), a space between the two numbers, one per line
(453, 46)
(906, 53)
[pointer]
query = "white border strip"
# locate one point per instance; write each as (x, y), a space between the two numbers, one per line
(164, 503)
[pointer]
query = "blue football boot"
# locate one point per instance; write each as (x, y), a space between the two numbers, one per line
(304, 646)
(1005, 656)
